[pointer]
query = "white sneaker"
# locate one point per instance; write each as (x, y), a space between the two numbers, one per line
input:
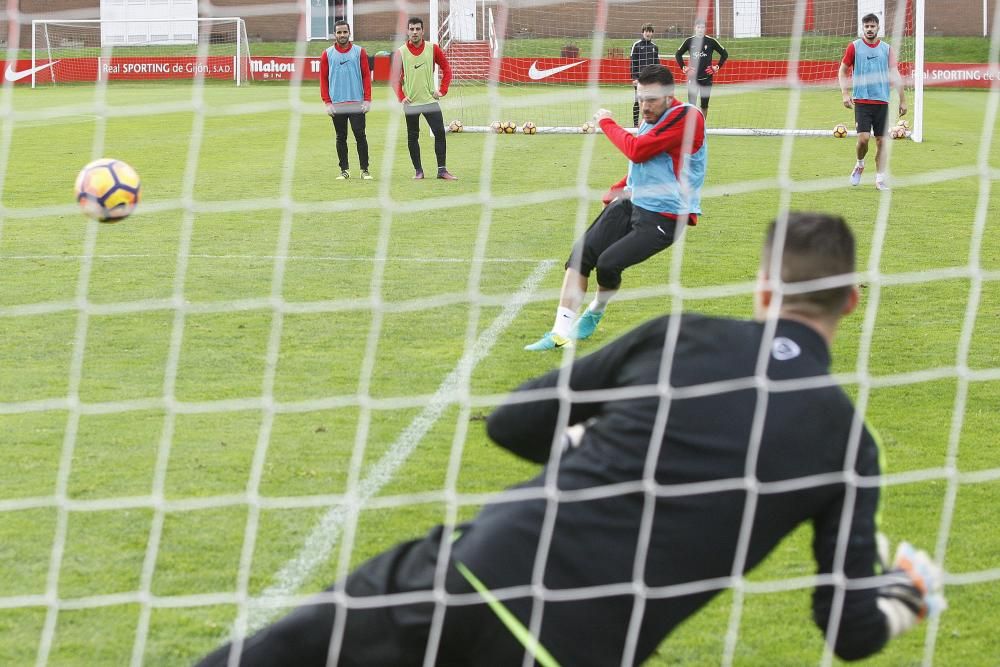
(880, 184)
(856, 174)
(344, 175)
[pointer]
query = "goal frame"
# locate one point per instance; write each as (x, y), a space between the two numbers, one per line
(239, 76)
(440, 33)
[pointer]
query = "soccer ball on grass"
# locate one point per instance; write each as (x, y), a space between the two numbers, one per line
(840, 130)
(508, 127)
(903, 123)
(497, 127)
(107, 190)
(588, 127)
(455, 126)
(899, 132)
(529, 127)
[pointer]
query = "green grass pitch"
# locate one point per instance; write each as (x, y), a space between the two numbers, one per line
(256, 320)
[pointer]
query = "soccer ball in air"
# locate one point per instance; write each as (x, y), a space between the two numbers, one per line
(588, 128)
(840, 130)
(455, 126)
(497, 127)
(509, 127)
(107, 190)
(529, 127)
(898, 132)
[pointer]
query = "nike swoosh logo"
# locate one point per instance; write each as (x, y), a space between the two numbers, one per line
(13, 75)
(418, 66)
(536, 74)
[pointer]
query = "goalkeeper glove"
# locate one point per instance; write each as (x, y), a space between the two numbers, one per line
(913, 591)
(572, 436)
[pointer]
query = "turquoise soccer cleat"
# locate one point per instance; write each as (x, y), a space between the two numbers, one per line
(550, 341)
(585, 326)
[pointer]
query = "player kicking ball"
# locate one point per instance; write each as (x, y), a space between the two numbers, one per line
(644, 212)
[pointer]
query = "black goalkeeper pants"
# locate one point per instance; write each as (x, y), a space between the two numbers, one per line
(393, 634)
(699, 92)
(432, 112)
(499, 548)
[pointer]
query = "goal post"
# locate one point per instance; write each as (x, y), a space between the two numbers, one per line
(89, 50)
(550, 63)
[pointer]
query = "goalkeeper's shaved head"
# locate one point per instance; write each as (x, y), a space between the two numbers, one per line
(816, 246)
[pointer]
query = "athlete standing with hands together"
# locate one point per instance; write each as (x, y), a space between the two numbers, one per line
(345, 84)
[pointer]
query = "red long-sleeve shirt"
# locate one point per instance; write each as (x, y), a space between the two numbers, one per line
(324, 75)
(439, 59)
(666, 137)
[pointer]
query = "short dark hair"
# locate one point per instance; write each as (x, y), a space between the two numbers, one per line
(645, 27)
(414, 20)
(655, 74)
(817, 245)
(869, 18)
(341, 22)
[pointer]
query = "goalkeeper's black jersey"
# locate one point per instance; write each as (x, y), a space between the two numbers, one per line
(701, 51)
(713, 436)
(633, 530)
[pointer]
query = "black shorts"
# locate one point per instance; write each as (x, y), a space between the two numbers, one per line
(623, 235)
(871, 118)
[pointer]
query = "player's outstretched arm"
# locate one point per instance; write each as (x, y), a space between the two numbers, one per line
(526, 422)
(526, 425)
(914, 590)
(669, 135)
(849, 616)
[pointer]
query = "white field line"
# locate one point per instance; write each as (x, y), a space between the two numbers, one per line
(324, 536)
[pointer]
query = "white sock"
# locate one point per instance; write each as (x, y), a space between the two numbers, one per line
(861, 163)
(879, 177)
(601, 300)
(564, 321)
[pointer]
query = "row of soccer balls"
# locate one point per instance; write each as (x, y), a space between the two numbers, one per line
(510, 127)
(900, 130)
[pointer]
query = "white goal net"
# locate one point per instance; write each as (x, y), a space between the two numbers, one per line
(67, 51)
(266, 375)
(538, 54)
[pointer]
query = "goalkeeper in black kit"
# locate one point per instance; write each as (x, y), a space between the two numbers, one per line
(700, 68)
(689, 456)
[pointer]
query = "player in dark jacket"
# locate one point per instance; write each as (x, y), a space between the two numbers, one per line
(644, 52)
(700, 68)
(696, 444)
